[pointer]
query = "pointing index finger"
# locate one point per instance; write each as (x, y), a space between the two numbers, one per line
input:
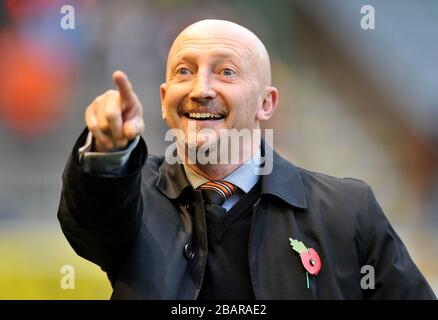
(124, 86)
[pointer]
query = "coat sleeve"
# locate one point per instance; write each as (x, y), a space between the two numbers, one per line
(396, 275)
(100, 215)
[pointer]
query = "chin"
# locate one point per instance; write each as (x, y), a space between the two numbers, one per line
(203, 140)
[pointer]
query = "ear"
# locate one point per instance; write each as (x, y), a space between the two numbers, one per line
(270, 102)
(163, 89)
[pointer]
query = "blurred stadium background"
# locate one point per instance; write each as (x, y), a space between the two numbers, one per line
(353, 102)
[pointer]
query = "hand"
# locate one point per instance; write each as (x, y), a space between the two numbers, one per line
(115, 117)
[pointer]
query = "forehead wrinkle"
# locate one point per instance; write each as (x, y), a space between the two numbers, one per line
(235, 46)
(216, 41)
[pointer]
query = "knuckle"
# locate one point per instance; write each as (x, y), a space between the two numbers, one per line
(91, 107)
(98, 100)
(104, 127)
(90, 121)
(101, 138)
(111, 114)
(92, 127)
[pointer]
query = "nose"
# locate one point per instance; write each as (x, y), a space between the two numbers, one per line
(202, 89)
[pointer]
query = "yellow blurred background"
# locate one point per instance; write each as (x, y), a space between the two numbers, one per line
(32, 258)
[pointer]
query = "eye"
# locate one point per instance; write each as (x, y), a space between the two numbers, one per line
(227, 72)
(183, 71)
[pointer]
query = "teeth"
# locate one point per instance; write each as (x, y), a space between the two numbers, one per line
(202, 115)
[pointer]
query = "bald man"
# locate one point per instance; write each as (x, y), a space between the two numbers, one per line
(216, 229)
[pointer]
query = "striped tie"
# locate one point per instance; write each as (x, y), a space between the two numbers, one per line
(217, 192)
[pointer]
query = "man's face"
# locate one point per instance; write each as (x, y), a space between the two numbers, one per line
(213, 81)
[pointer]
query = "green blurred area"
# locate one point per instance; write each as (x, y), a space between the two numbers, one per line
(32, 258)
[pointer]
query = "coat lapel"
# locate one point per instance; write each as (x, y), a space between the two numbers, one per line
(172, 180)
(284, 181)
(276, 270)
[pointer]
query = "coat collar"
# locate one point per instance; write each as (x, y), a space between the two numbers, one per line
(172, 180)
(283, 182)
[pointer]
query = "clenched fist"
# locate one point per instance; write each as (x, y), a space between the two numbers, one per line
(115, 117)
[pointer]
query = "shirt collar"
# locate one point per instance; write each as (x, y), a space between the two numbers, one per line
(284, 181)
(244, 177)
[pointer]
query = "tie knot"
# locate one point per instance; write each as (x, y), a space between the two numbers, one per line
(217, 191)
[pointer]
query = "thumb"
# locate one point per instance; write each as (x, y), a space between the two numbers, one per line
(133, 127)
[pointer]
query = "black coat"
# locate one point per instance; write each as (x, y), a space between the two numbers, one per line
(137, 228)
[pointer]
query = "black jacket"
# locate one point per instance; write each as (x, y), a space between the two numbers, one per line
(146, 230)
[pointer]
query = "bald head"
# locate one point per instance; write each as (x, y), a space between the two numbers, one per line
(227, 33)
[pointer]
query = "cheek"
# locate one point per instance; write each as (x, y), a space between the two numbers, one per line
(235, 98)
(247, 105)
(174, 96)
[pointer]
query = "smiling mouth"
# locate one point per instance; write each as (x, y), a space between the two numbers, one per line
(203, 116)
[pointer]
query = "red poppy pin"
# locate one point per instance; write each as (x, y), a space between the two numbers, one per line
(309, 258)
